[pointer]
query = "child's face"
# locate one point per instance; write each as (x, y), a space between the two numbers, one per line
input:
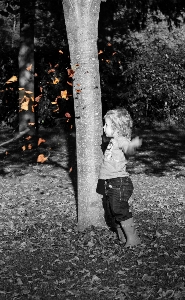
(109, 132)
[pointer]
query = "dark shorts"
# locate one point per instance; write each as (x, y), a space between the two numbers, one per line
(118, 191)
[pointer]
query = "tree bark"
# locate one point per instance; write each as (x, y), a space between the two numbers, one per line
(81, 18)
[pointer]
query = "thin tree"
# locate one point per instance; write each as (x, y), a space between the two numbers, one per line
(26, 68)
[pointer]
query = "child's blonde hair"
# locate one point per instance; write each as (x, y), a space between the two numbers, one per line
(121, 121)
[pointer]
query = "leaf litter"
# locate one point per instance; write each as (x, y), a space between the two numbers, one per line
(43, 256)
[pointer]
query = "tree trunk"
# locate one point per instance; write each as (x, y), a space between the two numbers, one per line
(81, 17)
(26, 66)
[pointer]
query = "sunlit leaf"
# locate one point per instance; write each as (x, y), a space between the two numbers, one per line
(100, 52)
(67, 115)
(37, 99)
(61, 52)
(24, 105)
(29, 68)
(64, 94)
(28, 138)
(51, 71)
(23, 148)
(56, 80)
(55, 110)
(70, 72)
(41, 158)
(40, 140)
(12, 79)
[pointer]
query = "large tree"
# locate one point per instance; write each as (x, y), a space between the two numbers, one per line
(81, 18)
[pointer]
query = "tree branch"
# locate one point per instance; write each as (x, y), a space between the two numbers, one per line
(18, 136)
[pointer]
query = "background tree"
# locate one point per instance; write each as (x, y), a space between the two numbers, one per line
(26, 68)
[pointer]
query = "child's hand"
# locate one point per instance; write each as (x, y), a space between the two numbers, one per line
(135, 143)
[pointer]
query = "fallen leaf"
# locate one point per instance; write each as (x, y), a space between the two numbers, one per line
(41, 158)
(40, 140)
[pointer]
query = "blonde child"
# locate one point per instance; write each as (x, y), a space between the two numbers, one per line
(114, 180)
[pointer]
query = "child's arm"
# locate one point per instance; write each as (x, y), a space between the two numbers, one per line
(129, 147)
(135, 143)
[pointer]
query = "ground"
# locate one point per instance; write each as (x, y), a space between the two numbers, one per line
(43, 256)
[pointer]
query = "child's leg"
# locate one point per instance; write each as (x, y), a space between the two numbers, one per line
(131, 233)
(120, 190)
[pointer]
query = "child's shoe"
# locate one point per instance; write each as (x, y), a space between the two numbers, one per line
(130, 232)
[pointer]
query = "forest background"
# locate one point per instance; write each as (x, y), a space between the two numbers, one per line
(142, 62)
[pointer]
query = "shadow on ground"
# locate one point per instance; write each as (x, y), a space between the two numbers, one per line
(162, 151)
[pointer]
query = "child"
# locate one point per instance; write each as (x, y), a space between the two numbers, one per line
(114, 181)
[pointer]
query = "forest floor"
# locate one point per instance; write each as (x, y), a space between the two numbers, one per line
(44, 257)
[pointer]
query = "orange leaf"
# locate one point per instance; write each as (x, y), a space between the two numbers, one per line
(70, 72)
(70, 170)
(56, 80)
(78, 91)
(113, 53)
(55, 110)
(60, 51)
(12, 79)
(28, 138)
(30, 146)
(29, 68)
(100, 52)
(69, 83)
(51, 71)
(64, 94)
(37, 99)
(24, 105)
(41, 141)
(67, 115)
(57, 65)
(109, 44)
(6, 153)
(41, 158)
(23, 148)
